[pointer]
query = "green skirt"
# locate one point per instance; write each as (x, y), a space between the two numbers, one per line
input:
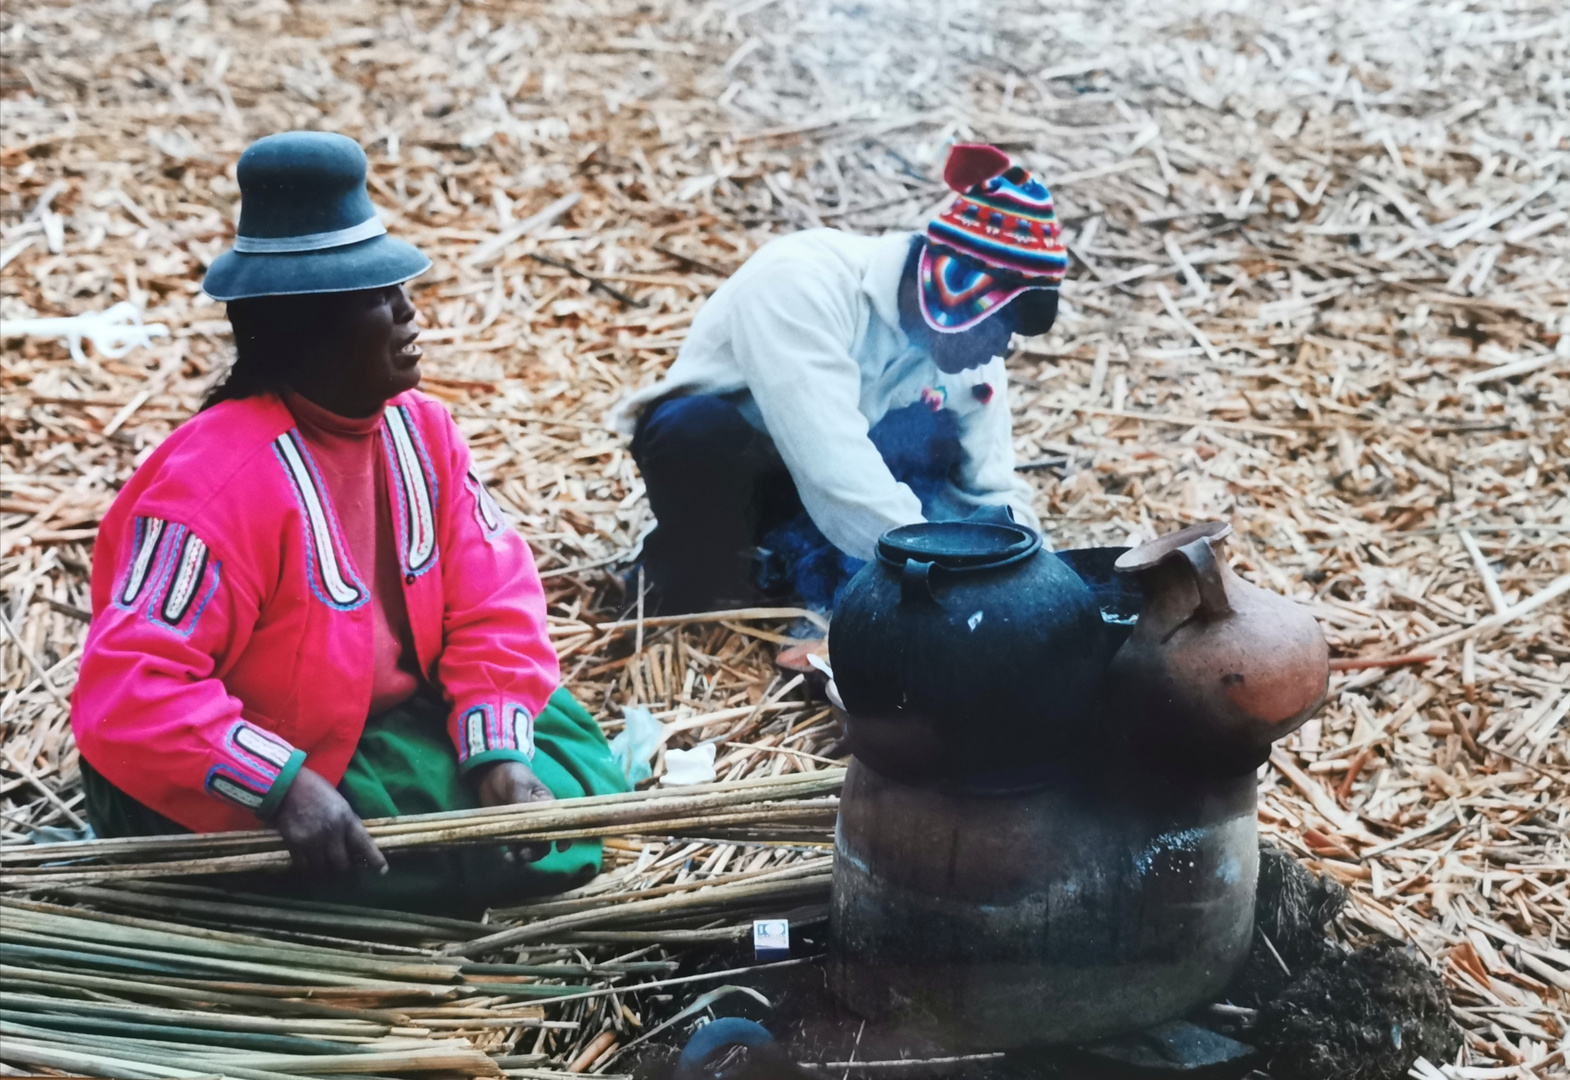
(405, 764)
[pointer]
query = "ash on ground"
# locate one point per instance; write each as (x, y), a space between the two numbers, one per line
(1326, 1009)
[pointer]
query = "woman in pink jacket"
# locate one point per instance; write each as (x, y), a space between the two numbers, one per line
(307, 610)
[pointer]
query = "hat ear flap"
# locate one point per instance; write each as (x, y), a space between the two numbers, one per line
(1037, 310)
(971, 163)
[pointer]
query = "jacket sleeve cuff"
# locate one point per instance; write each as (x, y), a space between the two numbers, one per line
(489, 757)
(280, 787)
(484, 729)
(253, 768)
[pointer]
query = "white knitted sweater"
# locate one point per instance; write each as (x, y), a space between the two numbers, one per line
(810, 327)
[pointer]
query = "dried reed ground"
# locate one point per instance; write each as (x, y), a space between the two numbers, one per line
(1319, 289)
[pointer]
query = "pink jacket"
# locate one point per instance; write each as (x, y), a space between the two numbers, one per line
(231, 629)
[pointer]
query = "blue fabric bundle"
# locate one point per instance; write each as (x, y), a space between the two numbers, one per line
(921, 447)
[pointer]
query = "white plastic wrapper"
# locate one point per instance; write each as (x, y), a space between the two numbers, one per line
(695, 766)
(636, 744)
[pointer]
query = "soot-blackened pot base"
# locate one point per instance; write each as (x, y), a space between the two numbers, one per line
(1073, 912)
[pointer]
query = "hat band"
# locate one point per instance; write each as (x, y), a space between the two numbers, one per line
(283, 245)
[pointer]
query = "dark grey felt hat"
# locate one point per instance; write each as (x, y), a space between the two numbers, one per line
(307, 224)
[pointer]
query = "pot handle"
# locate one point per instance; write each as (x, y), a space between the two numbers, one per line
(1201, 557)
(994, 514)
(915, 585)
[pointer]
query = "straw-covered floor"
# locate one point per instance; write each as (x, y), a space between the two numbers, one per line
(1319, 289)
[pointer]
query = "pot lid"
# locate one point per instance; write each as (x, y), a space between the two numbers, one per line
(958, 545)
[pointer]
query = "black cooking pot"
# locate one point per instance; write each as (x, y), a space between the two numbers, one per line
(965, 648)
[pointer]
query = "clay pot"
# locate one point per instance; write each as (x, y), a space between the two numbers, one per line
(1100, 902)
(1216, 669)
(964, 647)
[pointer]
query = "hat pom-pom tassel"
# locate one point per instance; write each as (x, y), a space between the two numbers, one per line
(971, 163)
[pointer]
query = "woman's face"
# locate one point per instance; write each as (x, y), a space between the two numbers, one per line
(370, 356)
(378, 335)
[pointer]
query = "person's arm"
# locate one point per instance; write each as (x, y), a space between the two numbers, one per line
(791, 334)
(148, 710)
(151, 714)
(497, 665)
(986, 474)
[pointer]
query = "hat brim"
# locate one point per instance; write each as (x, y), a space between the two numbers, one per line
(369, 264)
(981, 302)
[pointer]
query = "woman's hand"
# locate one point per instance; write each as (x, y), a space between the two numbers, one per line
(505, 783)
(324, 835)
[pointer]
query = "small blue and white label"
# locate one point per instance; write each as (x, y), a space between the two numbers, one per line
(771, 939)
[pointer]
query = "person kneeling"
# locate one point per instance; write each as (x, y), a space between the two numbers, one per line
(838, 386)
(307, 609)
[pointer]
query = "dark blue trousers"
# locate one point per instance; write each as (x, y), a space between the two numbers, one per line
(731, 530)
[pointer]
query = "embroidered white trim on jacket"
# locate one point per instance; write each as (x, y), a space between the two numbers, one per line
(189, 569)
(227, 783)
(482, 729)
(185, 582)
(487, 511)
(257, 757)
(149, 533)
(416, 491)
(265, 749)
(331, 573)
(476, 725)
(522, 725)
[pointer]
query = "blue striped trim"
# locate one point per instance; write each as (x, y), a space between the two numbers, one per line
(232, 785)
(145, 551)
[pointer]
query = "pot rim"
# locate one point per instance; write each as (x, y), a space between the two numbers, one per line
(1026, 543)
(1153, 552)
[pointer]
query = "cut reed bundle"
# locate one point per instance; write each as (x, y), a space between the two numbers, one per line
(213, 907)
(31, 1045)
(796, 890)
(801, 800)
(42, 923)
(528, 821)
(108, 994)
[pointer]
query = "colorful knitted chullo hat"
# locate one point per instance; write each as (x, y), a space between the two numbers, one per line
(999, 237)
